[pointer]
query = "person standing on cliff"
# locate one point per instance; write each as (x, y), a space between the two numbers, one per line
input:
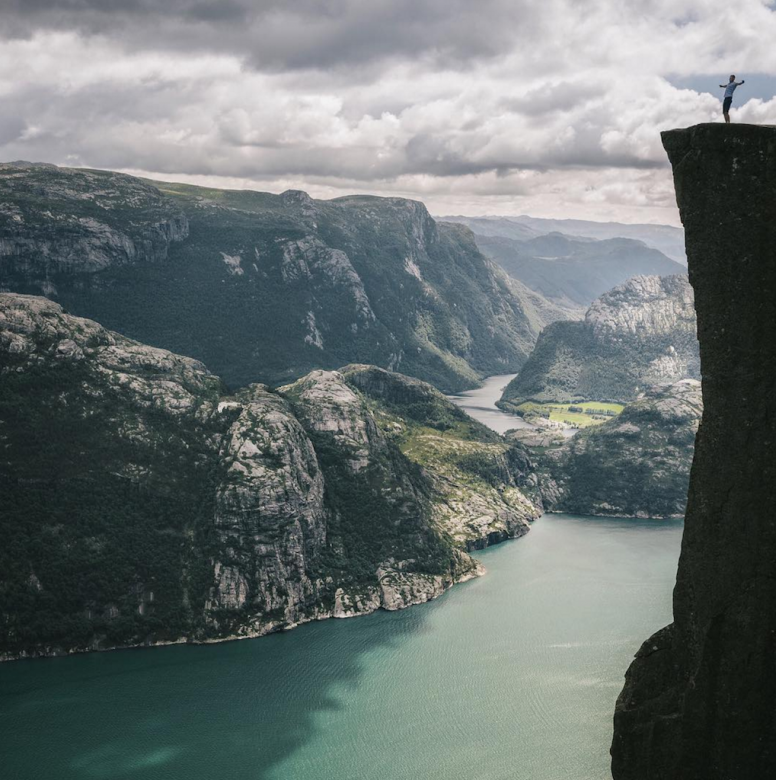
(729, 88)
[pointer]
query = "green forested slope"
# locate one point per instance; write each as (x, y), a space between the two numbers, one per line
(141, 502)
(265, 287)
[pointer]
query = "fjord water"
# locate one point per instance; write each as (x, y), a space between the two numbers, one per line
(480, 403)
(512, 676)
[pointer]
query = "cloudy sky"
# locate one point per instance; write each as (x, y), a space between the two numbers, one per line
(545, 107)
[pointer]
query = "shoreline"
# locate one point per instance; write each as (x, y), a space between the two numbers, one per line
(478, 570)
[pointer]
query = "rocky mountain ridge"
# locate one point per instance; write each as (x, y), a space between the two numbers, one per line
(265, 287)
(144, 504)
(639, 334)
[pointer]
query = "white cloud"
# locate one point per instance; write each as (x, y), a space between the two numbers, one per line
(552, 108)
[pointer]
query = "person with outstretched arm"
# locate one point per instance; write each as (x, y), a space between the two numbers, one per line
(729, 88)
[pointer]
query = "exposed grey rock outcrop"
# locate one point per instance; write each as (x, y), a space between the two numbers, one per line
(58, 222)
(142, 504)
(639, 334)
(698, 702)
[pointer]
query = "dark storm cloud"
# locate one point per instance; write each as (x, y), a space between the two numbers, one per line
(277, 34)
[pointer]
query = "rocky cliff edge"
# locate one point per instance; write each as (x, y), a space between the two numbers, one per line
(699, 701)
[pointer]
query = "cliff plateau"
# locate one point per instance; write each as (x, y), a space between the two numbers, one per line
(698, 701)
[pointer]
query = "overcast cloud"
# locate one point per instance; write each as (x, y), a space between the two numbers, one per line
(548, 107)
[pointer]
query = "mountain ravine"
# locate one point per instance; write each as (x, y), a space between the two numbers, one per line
(698, 701)
(266, 287)
(140, 503)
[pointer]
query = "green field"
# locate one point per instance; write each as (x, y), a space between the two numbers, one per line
(593, 412)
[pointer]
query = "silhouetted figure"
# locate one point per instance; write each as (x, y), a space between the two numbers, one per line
(729, 88)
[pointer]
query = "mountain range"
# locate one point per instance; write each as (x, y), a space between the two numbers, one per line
(266, 287)
(666, 238)
(569, 270)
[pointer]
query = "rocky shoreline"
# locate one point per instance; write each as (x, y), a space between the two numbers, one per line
(143, 504)
(346, 606)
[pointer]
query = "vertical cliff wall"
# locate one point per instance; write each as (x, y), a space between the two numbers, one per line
(700, 698)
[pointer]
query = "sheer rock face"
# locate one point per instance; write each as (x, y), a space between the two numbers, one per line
(262, 287)
(142, 505)
(699, 700)
(636, 335)
(56, 222)
(269, 513)
(635, 465)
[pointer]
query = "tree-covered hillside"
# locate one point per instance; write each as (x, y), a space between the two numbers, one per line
(639, 334)
(141, 502)
(265, 287)
(636, 465)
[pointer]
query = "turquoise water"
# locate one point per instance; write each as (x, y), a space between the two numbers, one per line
(510, 676)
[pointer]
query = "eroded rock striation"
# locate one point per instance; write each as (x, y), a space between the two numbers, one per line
(698, 702)
(639, 334)
(142, 503)
(261, 287)
(635, 465)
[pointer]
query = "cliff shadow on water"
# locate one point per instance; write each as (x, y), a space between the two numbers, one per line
(153, 721)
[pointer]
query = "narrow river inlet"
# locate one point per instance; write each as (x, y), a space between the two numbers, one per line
(512, 676)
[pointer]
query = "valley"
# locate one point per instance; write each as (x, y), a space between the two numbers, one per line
(150, 501)
(580, 414)
(571, 262)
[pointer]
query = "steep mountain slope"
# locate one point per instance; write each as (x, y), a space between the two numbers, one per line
(637, 465)
(139, 503)
(264, 287)
(698, 701)
(639, 334)
(575, 271)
